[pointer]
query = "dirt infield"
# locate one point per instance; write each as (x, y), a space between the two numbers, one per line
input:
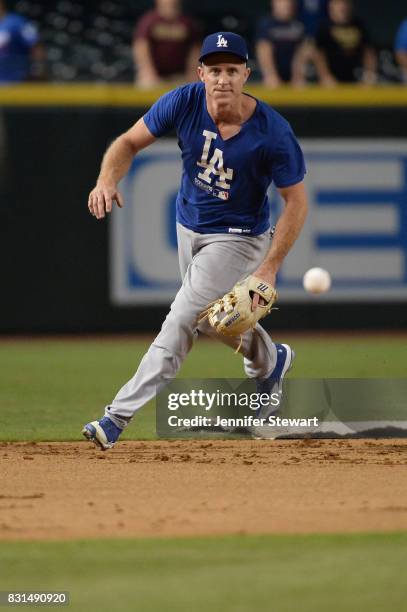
(68, 490)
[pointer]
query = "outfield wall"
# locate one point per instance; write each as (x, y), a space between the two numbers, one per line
(57, 271)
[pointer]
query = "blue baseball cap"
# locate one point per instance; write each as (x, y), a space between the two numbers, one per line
(224, 42)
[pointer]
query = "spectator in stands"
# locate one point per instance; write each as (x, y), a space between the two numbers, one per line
(20, 50)
(279, 44)
(344, 53)
(401, 49)
(166, 45)
(312, 13)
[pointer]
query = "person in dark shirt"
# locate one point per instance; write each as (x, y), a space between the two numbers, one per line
(280, 43)
(345, 53)
(19, 47)
(166, 45)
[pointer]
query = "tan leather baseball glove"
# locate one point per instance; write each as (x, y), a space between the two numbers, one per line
(232, 314)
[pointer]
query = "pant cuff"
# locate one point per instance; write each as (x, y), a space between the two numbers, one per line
(117, 419)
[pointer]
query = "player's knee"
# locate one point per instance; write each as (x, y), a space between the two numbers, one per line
(177, 337)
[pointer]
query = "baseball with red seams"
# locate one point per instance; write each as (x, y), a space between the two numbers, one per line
(317, 280)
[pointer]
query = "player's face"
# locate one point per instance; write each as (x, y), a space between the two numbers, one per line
(224, 76)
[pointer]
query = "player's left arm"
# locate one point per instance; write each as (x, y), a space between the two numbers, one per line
(286, 233)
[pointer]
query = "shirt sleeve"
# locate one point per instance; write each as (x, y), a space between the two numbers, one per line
(401, 37)
(288, 165)
(165, 114)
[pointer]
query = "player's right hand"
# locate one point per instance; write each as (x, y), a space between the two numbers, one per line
(101, 199)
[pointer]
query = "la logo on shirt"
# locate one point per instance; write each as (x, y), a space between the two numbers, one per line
(215, 165)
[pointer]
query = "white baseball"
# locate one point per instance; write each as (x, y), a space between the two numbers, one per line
(317, 280)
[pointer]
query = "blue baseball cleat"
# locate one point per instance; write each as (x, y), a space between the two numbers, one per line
(103, 433)
(274, 383)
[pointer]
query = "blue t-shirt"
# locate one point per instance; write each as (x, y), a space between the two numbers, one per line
(224, 182)
(401, 38)
(17, 36)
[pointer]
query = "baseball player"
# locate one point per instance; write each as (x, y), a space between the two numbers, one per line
(232, 146)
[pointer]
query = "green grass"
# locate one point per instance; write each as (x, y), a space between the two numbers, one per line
(49, 388)
(230, 573)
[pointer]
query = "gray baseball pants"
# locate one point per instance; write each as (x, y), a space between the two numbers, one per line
(210, 265)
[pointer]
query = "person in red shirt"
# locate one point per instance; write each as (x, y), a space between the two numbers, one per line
(166, 45)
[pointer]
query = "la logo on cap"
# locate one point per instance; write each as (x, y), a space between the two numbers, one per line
(222, 42)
